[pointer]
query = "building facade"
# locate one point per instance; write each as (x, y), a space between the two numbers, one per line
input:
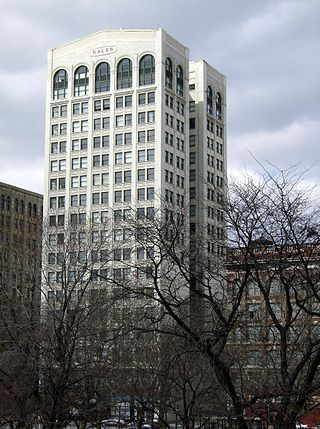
(119, 103)
(20, 251)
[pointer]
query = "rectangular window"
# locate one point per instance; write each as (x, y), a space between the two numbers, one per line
(97, 124)
(119, 139)
(128, 138)
(82, 200)
(84, 144)
(96, 161)
(151, 135)
(106, 123)
(141, 117)
(119, 121)
(141, 175)
(61, 202)
(62, 165)
(150, 174)
(62, 183)
(63, 129)
(54, 166)
(55, 112)
(53, 203)
(53, 184)
(141, 194)
(127, 157)
(96, 179)
(150, 193)
(151, 116)
(117, 196)
(151, 97)
(54, 147)
(105, 159)
(127, 176)
(104, 178)
(97, 106)
(118, 177)
(141, 155)
(74, 200)
(192, 140)
(83, 162)
(55, 130)
(96, 142)
(84, 126)
(127, 195)
(128, 101)
(150, 155)
(119, 102)
(84, 107)
(104, 197)
(142, 98)
(95, 198)
(141, 136)
(62, 147)
(76, 127)
(83, 181)
(118, 158)
(75, 144)
(105, 141)
(74, 182)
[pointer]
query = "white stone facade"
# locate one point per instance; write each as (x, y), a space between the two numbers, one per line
(108, 147)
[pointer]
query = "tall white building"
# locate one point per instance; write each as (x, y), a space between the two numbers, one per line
(119, 105)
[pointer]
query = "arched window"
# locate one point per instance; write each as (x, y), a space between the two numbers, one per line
(218, 106)
(81, 81)
(35, 210)
(16, 205)
(147, 70)
(209, 101)
(60, 85)
(179, 76)
(124, 74)
(8, 203)
(2, 201)
(102, 78)
(29, 209)
(21, 206)
(169, 76)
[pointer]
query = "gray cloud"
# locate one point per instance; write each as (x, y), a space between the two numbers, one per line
(268, 50)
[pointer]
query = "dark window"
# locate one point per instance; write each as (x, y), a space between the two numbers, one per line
(209, 101)
(218, 106)
(60, 85)
(124, 74)
(102, 78)
(168, 81)
(147, 70)
(179, 76)
(81, 81)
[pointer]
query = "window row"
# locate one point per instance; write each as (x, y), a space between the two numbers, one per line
(179, 105)
(82, 108)
(19, 206)
(145, 136)
(179, 179)
(169, 160)
(102, 77)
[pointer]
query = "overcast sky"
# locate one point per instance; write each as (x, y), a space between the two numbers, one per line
(268, 49)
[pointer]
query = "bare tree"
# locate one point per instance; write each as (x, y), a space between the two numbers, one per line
(273, 244)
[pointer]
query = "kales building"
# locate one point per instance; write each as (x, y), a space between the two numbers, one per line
(130, 123)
